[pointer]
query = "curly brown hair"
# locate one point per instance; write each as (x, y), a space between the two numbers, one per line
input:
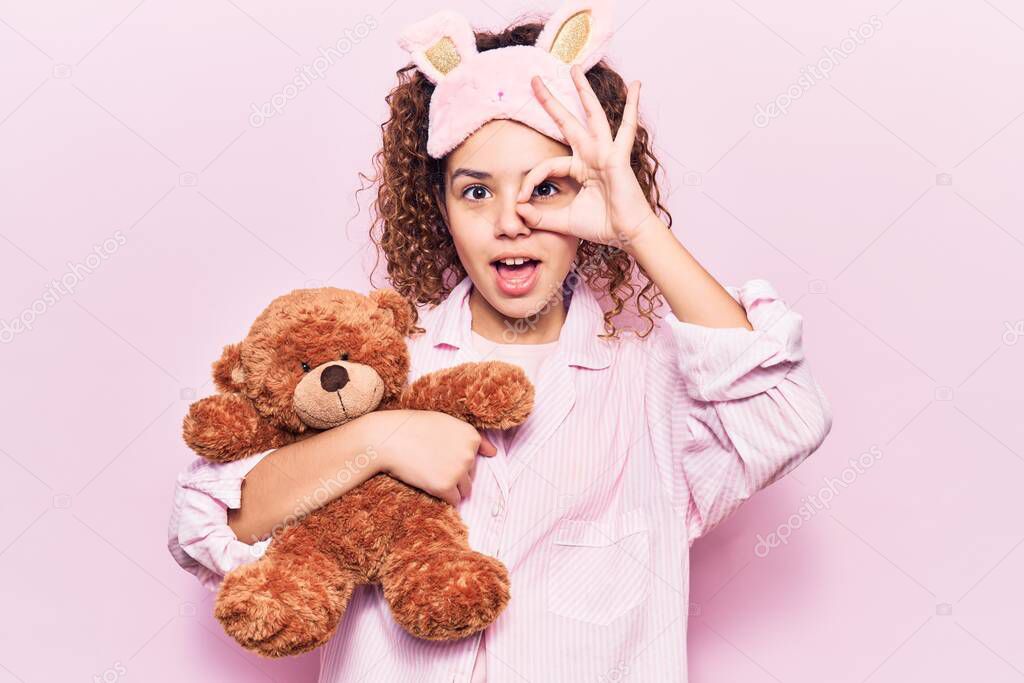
(409, 225)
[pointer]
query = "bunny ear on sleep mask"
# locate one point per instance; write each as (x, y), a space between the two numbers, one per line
(474, 87)
(439, 43)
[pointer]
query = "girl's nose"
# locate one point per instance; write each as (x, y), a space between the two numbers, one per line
(510, 223)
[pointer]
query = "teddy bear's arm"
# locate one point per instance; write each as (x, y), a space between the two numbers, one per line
(488, 395)
(226, 427)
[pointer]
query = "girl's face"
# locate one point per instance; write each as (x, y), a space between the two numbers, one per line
(482, 178)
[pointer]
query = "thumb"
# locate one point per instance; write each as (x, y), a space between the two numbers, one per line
(486, 447)
(556, 220)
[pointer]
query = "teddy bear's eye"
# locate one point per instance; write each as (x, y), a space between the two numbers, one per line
(305, 366)
(344, 356)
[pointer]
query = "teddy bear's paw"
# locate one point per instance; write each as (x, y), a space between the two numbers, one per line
(505, 393)
(280, 609)
(448, 594)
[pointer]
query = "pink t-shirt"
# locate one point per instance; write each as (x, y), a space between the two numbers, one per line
(530, 357)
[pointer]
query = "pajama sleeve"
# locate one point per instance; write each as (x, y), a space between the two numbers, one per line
(731, 410)
(198, 535)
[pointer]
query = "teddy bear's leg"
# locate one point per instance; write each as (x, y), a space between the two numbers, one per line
(289, 601)
(446, 594)
(438, 588)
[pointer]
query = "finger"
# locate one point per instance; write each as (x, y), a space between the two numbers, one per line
(596, 117)
(570, 126)
(452, 496)
(630, 114)
(553, 167)
(555, 220)
(465, 486)
(486, 447)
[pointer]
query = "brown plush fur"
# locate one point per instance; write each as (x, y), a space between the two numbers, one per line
(331, 355)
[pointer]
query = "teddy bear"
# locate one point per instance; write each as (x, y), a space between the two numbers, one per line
(313, 360)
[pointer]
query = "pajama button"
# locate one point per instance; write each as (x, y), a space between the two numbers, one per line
(496, 510)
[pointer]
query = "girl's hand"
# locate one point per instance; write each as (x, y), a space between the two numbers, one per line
(610, 207)
(431, 451)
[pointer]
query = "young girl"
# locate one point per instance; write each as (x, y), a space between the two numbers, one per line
(516, 185)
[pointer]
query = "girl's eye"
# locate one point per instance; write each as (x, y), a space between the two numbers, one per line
(545, 189)
(344, 356)
(305, 366)
(476, 193)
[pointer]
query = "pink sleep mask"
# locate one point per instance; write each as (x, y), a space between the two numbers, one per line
(473, 87)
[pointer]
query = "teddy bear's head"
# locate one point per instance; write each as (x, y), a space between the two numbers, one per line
(314, 359)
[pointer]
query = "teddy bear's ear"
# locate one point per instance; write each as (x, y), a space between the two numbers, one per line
(227, 370)
(403, 313)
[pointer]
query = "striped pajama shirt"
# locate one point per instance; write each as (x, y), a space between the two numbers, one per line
(635, 448)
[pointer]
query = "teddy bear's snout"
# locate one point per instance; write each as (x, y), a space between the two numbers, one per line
(336, 392)
(333, 378)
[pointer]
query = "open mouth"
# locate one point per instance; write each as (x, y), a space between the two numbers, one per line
(516, 275)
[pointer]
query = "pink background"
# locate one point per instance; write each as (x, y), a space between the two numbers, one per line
(886, 205)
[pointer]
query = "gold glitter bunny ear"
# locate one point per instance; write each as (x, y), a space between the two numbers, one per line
(578, 32)
(439, 43)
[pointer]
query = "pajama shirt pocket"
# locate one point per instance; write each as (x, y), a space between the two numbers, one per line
(599, 570)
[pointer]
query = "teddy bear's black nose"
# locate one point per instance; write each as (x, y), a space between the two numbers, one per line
(333, 377)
